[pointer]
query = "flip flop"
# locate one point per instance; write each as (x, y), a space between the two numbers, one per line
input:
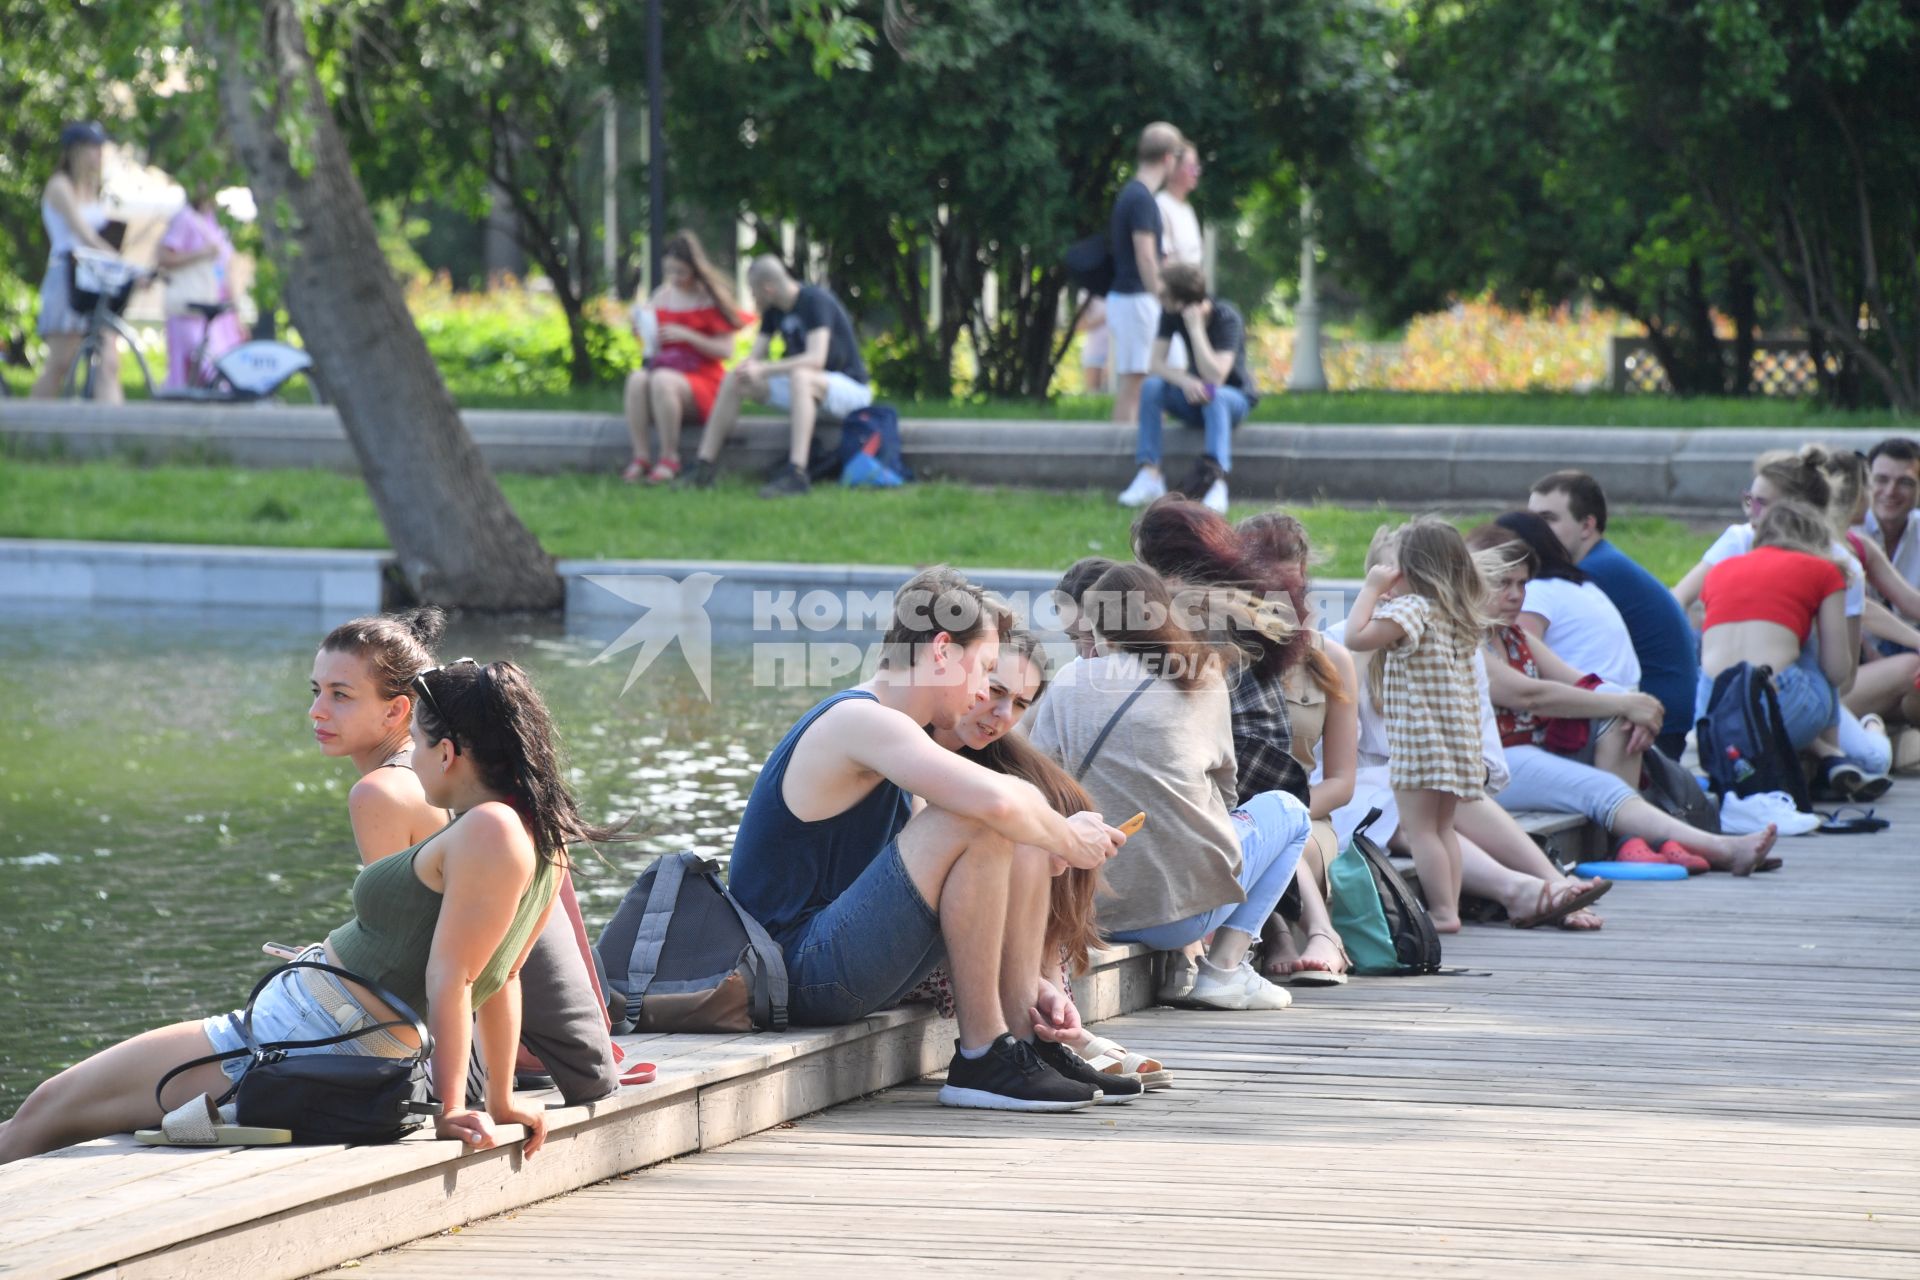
(636, 1073)
(1551, 908)
(1305, 976)
(1105, 1056)
(1862, 822)
(198, 1123)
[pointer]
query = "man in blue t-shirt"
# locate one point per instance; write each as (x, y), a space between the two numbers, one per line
(1135, 240)
(1575, 506)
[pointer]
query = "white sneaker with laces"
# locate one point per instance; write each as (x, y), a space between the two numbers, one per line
(1146, 487)
(1217, 496)
(1240, 988)
(1743, 815)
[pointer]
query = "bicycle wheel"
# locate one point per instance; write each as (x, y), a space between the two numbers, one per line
(130, 342)
(85, 366)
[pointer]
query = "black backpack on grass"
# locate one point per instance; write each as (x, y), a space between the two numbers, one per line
(682, 954)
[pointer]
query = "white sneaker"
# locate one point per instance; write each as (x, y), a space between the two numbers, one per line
(1217, 496)
(1146, 487)
(1240, 988)
(1743, 815)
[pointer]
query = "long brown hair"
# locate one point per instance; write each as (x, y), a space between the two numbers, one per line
(1276, 539)
(495, 715)
(685, 246)
(1070, 915)
(1133, 610)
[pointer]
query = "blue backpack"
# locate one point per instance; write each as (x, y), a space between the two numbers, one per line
(1742, 738)
(874, 432)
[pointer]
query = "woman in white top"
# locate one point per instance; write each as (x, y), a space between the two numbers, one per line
(71, 210)
(1565, 608)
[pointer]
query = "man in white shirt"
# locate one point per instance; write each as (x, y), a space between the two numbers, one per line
(1893, 472)
(1180, 229)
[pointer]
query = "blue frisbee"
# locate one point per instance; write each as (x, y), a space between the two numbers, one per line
(1631, 871)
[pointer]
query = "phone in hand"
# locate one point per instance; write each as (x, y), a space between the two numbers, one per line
(279, 950)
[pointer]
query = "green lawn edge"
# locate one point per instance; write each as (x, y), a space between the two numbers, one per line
(596, 517)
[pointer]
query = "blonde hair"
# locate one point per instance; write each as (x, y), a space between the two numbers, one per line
(1160, 140)
(1846, 473)
(1792, 525)
(1434, 561)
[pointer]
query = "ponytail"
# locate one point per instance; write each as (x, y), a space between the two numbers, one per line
(496, 716)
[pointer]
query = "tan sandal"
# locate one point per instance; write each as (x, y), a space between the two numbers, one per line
(198, 1123)
(1105, 1056)
(1303, 976)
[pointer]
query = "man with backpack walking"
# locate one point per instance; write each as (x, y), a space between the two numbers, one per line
(1135, 240)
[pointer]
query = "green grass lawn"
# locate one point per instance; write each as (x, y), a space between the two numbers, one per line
(595, 517)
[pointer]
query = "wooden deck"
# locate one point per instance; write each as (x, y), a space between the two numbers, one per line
(1722, 1082)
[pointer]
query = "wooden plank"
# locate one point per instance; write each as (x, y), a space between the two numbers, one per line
(1721, 1082)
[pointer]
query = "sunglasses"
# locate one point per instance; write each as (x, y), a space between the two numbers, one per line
(426, 690)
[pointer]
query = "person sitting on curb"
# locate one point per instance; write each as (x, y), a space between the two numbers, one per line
(871, 855)
(1215, 393)
(363, 696)
(819, 370)
(445, 925)
(1575, 508)
(985, 735)
(1147, 723)
(1530, 686)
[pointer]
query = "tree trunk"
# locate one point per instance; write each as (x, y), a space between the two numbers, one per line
(457, 540)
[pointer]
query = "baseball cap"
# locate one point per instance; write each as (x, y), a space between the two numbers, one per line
(82, 131)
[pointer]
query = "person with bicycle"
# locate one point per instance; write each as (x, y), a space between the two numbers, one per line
(196, 255)
(75, 217)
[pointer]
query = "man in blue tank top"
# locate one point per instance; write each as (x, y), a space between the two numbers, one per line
(872, 854)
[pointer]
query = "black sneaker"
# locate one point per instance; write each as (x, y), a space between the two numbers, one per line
(1009, 1076)
(1077, 1069)
(698, 476)
(791, 482)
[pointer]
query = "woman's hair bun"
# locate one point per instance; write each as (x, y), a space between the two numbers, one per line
(425, 624)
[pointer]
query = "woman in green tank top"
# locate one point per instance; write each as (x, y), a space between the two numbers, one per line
(444, 924)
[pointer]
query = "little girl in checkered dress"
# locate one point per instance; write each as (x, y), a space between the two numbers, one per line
(1423, 603)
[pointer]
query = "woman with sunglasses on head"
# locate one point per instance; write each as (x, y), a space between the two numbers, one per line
(444, 924)
(363, 700)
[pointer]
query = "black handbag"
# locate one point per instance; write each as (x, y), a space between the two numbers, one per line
(326, 1098)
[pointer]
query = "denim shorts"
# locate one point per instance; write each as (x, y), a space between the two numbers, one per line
(865, 950)
(287, 1010)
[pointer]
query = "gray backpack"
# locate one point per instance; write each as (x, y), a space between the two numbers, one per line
(681, 954)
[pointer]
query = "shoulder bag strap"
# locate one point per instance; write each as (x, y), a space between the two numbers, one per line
(254, 1048)
(669, 872)
(1112, 720)
(770, 986)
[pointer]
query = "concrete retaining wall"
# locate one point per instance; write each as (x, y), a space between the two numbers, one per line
(1411, 466)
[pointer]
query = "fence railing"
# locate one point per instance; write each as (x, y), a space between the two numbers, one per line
(1780, 367)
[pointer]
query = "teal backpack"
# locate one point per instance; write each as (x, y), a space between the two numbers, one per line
(1384, 928)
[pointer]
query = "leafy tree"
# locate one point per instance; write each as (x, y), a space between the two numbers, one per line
(997, 131)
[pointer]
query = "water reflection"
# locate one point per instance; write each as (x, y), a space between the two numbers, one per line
(163, 810)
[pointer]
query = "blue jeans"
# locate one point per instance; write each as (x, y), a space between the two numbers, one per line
(865, 950)
(1273, 828)
(1219, 416)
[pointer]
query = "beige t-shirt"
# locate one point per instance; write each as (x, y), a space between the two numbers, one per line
(1171, 757)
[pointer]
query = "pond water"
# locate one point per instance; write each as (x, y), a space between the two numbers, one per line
(164, 811)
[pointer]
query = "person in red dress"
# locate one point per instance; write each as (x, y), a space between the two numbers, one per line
(693, 321)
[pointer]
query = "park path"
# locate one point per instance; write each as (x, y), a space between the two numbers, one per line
(1722, 1082)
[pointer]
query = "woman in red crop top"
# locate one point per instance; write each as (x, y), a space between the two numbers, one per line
(696, 320)
(1782, 605)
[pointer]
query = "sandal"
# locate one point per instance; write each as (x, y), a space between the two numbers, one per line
(635, 472)
(1681, 856)
(664, 471)
(1305, 974)
(1852, 821)
(1105, 1056)
(1581, 921)
(198, 1123)
(1551, 909)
